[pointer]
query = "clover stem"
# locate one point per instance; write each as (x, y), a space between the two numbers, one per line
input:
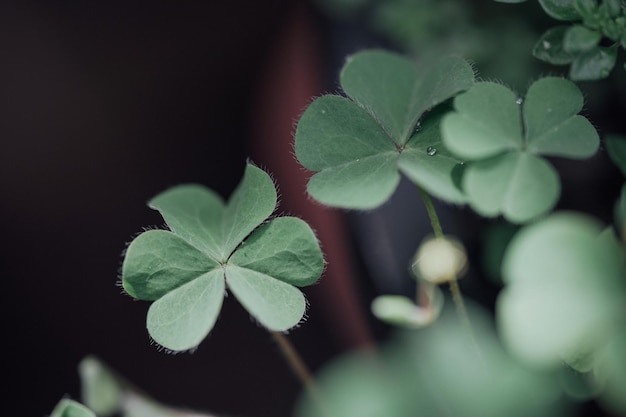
(299, 368)
(457, 296)
(432, 214)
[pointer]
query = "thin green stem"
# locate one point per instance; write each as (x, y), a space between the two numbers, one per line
(300, 369)
(432, 214)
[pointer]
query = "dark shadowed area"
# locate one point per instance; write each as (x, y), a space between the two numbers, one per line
(103, 106)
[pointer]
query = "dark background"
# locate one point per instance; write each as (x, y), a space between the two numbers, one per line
(103, 105)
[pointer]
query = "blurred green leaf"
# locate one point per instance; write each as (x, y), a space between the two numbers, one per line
(610, 373)
(561, 9)
(403, 312)
(615, 7)
(359, 145)
(594, 64)
(564, 289)
(521, 186)
(578, 39)
(436, 371)
(100, 389)
(213, 246)
(549, 47)
(71, 408)
(586, 7)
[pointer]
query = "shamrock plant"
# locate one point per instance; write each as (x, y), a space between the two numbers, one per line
(213, 246)
(580, 44)
(359, 145)
(505, 139)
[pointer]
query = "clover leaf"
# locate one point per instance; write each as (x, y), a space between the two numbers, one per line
(564, 291)
(360, 144)
(213, 246)
(505, 137)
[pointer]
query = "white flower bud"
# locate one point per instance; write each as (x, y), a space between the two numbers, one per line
(440, 260)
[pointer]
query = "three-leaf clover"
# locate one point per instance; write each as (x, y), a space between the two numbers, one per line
(213, 246)
(359, 144)
(504, 137)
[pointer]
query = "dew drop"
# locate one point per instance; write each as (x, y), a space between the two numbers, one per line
(519, 100)
(323, 111)
(546, 45)
(418, 127)
(431, 151)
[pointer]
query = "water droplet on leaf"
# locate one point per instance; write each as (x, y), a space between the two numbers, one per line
(546, 45)
(431, 151)
(519, 100)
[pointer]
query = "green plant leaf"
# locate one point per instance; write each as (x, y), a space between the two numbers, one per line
(427, 163)
(403, 312)
(194, 213)
(594, 64)
(184, 316)
(397, 93)
(503, 137)
(610, 371)
(487, 122)
(564, 289)
(271, 251)
(552, 125)
(275, 304)
(549, 48)
(100, 389)
(435, 371)
(616, 148)
(359, 145)
(586, 8)
(356, 160)
(212, 246)
(71, 408)
(521, 186)
(579, 38)
(199, 216)
(561, 9)
(158, 261)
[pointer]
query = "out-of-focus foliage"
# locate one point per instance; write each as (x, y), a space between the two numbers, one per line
(440, 370)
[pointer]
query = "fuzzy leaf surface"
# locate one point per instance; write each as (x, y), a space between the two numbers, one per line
(359, 146)
(183, 317)
(284, 248)
(184, 270)
(275, 304)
